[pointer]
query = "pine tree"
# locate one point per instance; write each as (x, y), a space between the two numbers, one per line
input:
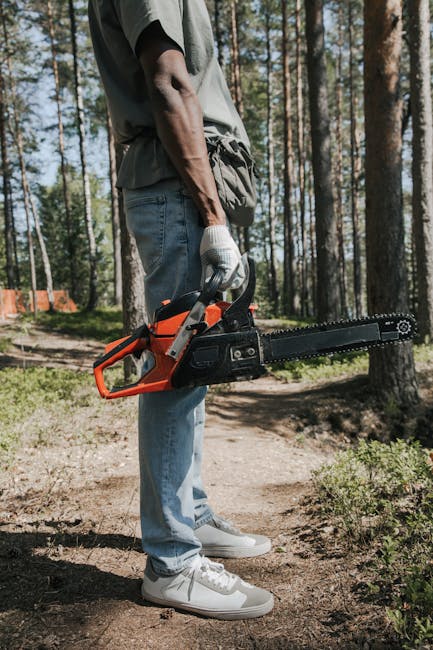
(328, 295)
(392, 370)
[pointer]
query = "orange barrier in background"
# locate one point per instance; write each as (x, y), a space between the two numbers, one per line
(14, 302)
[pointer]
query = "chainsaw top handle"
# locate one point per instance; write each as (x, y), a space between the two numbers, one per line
(210, 289)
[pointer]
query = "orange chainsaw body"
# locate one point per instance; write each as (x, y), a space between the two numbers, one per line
(157, 340)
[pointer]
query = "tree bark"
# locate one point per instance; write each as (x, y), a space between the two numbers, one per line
(313, 247)
(355, 169)
(93, 275)
(243, 233)
(392, 371)
(328, 295)
(11, 275)
(20, 149)
(339, 166)
(271, 171)
(422, 160)
(301, 159)
(291, 297)
(115, 215)
(132, 278)
(72, 259)
(218, 32)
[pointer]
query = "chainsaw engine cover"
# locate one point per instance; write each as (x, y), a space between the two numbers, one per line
(220, 358)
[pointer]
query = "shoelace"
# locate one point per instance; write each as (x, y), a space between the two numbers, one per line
(214, 572)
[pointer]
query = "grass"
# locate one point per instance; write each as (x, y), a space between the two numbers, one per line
(103, 324)
(30, 397)
(321, 368)
(338, 365)
(5, 344)
(381, 497)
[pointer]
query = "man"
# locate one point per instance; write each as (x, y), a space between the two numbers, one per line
(165, 90)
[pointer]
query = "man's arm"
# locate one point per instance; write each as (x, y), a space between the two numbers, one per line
(179, 119)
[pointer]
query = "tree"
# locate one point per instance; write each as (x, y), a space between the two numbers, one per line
(339, 180)
(115, 214)
(93, 272)
(355, 169)
(422, 160)
(71, 247)
(392, 371)
(273, 285)
(218, 32)
(328, 295)
(132, 277)
(10, 245)
(291, 297)
(237, 95)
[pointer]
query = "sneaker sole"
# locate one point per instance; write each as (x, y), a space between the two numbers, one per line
(228, 615)
(235, 552)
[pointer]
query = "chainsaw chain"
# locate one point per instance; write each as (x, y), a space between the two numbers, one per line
(310, 329)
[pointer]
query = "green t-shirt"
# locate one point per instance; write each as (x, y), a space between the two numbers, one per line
(116, 26)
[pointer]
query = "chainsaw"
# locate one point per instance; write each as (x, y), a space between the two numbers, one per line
(195, 340)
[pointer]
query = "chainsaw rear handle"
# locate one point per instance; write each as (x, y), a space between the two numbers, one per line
(134, 344)
(158, 377)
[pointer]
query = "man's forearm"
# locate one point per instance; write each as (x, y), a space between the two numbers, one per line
(179, 124)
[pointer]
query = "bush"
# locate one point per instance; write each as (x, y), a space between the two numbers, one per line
(383, 494)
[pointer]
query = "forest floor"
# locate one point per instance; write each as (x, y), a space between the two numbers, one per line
(70, 552)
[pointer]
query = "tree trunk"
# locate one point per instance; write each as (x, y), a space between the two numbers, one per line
(339, 166)
(218, 32)
(271, 171)
(290, 285)
(392, 371)
(115, 216)
(236, 67)
(93, 276)
(313, 247)
(355, 169)
(243, 233)
(72, 258)
(6, 174)
(422, 160)
(19, 144)
(328, 295)
(132, 277)
(301, 159)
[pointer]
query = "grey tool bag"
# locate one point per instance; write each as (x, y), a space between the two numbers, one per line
(234, 172)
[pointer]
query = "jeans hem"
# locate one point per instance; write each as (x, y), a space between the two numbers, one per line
(173, 572)
(204, 519)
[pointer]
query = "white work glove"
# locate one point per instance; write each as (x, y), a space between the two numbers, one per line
(218, 250)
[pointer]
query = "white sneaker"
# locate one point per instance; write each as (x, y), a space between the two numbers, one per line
(206, 588)
(219, 538)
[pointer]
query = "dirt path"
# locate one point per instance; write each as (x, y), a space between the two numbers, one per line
(69, 538)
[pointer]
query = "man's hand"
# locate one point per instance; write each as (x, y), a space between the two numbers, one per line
(218, 250)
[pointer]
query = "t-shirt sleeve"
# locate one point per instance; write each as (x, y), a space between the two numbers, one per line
(135, 15)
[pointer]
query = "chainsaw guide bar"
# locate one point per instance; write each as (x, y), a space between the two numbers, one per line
(194, 341)
(339, 336)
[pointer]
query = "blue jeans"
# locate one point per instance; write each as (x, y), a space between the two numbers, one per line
(167, 228)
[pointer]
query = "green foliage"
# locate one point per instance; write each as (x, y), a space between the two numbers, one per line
(382, 497)
(339, 365)
(102, 324)
(61, 245)
(5, 344)
(26, 392)
(350, 363)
